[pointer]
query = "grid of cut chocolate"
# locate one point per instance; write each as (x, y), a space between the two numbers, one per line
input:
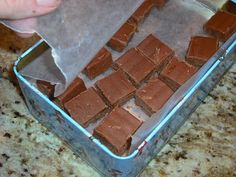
(136, 65)
(86, 107)
(122, 37)
(221, 25)
(116, 88)
(116, 130)
(230, 7)
(153, 96)
(99, 64)
(157, 51)
(201, 48)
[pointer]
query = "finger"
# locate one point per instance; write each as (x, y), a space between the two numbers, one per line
(19, 9)
(27, 25)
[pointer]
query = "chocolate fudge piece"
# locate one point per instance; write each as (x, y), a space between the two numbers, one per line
(201, 49)
(153, 96)
(142, 12)
(136, 65)
(75, 88)
(45, 87)
(99, 64)
(86, 107)
(221, 25)
(115, 88)
(116, 130)
(230, 6)
(122, 37)
(158, 52)
(176, 73)
(159, 3)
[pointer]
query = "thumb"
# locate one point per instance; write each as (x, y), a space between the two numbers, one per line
(19, 9)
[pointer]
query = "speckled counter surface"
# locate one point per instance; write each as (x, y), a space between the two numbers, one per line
(204, 146)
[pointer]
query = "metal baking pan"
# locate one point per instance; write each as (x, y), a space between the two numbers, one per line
(90, 149)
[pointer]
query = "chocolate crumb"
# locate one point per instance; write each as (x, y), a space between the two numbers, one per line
(7, 135)
(17, 102)
(5, 156)
(25, 170)
(17, 114)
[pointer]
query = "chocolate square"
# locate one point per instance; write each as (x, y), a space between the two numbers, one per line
(142, 12)
(115, 88)
(122, 37)
(99, 64)
(136, 65)
(74, 89)
(158, 52)
(159, 3)
(176, 73)
(116, 130)
(86, 107)
(221, 25)
(153, 96)
(201, 49)
(45, 87)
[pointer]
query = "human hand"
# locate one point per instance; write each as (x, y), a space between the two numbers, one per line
(22, 12)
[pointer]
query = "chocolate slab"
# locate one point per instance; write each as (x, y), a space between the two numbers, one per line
(122, 37)
(45, 87)
(158, 52)
(176, 73)
(200, 49)
(221, 25)
(86, 107)
(136, 65)
(153, 96)
(159, 3)
(231, 7)
(75, 88)
(115, 88)
(142, 12)
(116, 130)
(99, 64)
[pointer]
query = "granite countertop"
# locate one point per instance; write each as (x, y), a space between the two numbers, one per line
(204, 146)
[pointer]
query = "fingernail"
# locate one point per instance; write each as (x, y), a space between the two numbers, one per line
(48, 2)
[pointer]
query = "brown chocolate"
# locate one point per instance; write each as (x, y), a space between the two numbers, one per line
(177, 73)
(86, 107)
(153, 96)
(45, 87)
(115, 88)
(158, 52)
(142, 12)
(159, 3)
(221, 25)
(74, 89)
(136, 65)
(230, 6)
(99, 64)
(201, 49)
(116, 130)
(122, 37)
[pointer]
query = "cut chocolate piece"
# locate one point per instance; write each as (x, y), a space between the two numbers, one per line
(201, 49)
(142, 12)
(230, 6)
(159, 3)
(115, 88)
(136, 65)
(221, 25)
(177, 73)
(158, 52)
(45, 87)
(153, 96)
(74, 89)
(121, 39)
(99, 64)
(116, 130)
(86, 107)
